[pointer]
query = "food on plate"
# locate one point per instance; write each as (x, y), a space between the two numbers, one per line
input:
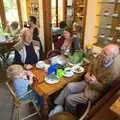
(79, 70)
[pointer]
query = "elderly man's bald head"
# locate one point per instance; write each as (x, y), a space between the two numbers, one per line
(111, 49)
(26, 35)
(109, 52)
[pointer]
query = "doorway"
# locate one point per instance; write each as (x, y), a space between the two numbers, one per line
(57, 7)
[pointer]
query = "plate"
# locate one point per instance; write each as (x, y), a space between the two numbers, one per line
(40, 64)
(51, 81)
(79, 69)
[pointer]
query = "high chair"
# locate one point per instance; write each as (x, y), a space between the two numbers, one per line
(17, 102)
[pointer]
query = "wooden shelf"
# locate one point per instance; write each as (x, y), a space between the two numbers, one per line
(104, 27)
(81, 6)
(107, 15)
(108, 28)
(81, 16)
(69, 6)
(106, 2)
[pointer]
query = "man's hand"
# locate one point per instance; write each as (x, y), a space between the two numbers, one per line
(87, 76)
(90, 78)
(93, 78)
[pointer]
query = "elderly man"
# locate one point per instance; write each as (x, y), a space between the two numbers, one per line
(27, 50)
(101, 73)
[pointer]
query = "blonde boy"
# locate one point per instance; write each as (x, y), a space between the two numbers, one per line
(21, 82)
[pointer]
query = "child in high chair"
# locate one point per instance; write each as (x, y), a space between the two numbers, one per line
(22, 80)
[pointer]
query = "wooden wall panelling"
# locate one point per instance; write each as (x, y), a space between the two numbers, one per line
(47, 24)
(28, 7)
(2, 14)
(57, 13)
(19, 12)
(64, 9)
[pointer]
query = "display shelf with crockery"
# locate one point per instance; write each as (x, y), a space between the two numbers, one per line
(108, 13)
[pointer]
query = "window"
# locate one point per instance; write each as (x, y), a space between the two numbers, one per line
(56, 12)
(11, 10)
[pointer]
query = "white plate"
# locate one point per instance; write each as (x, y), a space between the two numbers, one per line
(40, 64)
(51, 81)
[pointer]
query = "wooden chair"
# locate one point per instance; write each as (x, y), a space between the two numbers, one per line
(17, 102)
(69, 116)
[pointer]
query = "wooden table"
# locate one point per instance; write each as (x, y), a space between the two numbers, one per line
(45, 89)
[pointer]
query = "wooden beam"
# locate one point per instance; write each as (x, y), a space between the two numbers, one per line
(28, 8)
(56, 13)
(47, 25)
(19, 13)
(2, 14)
(64, 9)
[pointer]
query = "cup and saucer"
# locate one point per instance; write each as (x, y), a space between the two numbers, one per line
(68, 72)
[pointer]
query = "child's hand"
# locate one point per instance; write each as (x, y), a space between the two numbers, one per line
(29, 74)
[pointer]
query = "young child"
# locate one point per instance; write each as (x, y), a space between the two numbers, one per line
(22, 80)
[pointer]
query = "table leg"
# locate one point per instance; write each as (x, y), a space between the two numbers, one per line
(45, 107)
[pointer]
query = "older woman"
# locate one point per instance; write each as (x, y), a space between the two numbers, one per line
(27, 51)
(35, 31)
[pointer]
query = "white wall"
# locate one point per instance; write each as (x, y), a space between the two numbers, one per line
(23, 10)
(90, 22)
(41, 23)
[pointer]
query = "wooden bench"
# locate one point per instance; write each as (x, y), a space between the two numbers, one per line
(104, 100)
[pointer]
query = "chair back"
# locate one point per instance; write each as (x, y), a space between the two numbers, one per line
(12, 93)
(52, 53)
(17, 102)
